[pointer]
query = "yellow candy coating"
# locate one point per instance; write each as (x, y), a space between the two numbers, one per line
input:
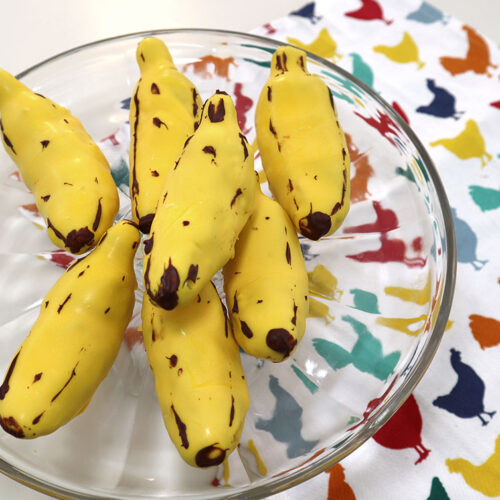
(266, 284)
(60, 163)
(303, 149)
(206, 201)
(199, 380)
(75, 339)
(164, 111)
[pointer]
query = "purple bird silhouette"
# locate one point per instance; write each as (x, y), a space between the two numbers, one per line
(465, 399)
(443, 104)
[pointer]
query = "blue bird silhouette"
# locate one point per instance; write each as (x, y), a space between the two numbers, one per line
(286, 423)
(366, 355)
(466, 242)
(443, 104)
(361, 70)
(465, 399)
(125, 103)
(427, 14)
(308, 12)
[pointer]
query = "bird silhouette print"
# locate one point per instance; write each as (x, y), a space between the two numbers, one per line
(400, 111)
(220, 66)
(270, 30)
(466, 398)
(366, 355)
(361, 70)
(363, 171)
(338, 488)
(370, 10)
(383, 123)
(485, 198)
(485, 330)
(437, 490)
(467, 144)
(404, 52)
(323, 45)
(364, 301)
(404, 325)
(427, 14)
(242, 104)
(307, 12)
(286, 423)
(495, 104)
(391, 249)
(485, 477)
(466, 242)
(418, 295)
(61, 258)
(443, 104)
(477, 58)
(403, 430)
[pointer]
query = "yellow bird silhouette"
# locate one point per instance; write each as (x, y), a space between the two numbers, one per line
(484, 478)
(468, 144)
(323, 45)
(405, 51)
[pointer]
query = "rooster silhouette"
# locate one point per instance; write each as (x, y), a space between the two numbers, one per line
(465, 399)
(443, 104)
(369, 10)
(477, 58)
(485, 477)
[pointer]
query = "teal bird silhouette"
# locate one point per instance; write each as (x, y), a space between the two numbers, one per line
(361, 70)
(366, 355)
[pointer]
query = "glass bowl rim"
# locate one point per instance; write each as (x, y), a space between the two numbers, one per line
(382, 414)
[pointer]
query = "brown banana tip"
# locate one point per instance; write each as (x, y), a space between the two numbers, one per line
(79, 239)
(10, 425)
(280, 340)
(315, 225)
(145, 223)
(210, 456)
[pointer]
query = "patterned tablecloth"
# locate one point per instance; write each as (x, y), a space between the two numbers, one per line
(442, 76)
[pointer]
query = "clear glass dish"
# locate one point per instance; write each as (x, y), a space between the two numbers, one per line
(382, 289)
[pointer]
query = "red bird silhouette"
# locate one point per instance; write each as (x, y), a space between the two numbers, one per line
(495, 104)
(383, 123)
(400, 111)
(370, 10)
(61, 258)
(477, 58)
(243, 104)
(386, 220)
(269, 29)
(404, 430)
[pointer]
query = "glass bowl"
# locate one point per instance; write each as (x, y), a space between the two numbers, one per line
(381, 290)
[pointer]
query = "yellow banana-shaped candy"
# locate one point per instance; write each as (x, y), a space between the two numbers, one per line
(200, 383)
(206, 201)
(75, 339)
(266, 284)
(164, 111)
(60, 163)
(303, 149)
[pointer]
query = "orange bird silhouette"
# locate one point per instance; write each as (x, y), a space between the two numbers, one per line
(485, 330)
(359, 183)
(477, 58)
(338, 489)
(220, 66)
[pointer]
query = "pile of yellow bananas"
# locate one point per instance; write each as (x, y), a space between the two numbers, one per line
(194, 191)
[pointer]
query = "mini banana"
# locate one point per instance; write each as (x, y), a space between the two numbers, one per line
(266, 284)
(199, 380)
(164, 112)
(60, 163)
(206, 201)
(303, 149)
(75, 339)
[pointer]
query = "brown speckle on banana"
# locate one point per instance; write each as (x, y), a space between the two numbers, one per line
(59, 162)
(300, 140)
(210, 197)
(163, 113)
(74, 342)
(198, 375)
(266, 284)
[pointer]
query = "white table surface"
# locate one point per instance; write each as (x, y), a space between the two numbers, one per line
(33, 30)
